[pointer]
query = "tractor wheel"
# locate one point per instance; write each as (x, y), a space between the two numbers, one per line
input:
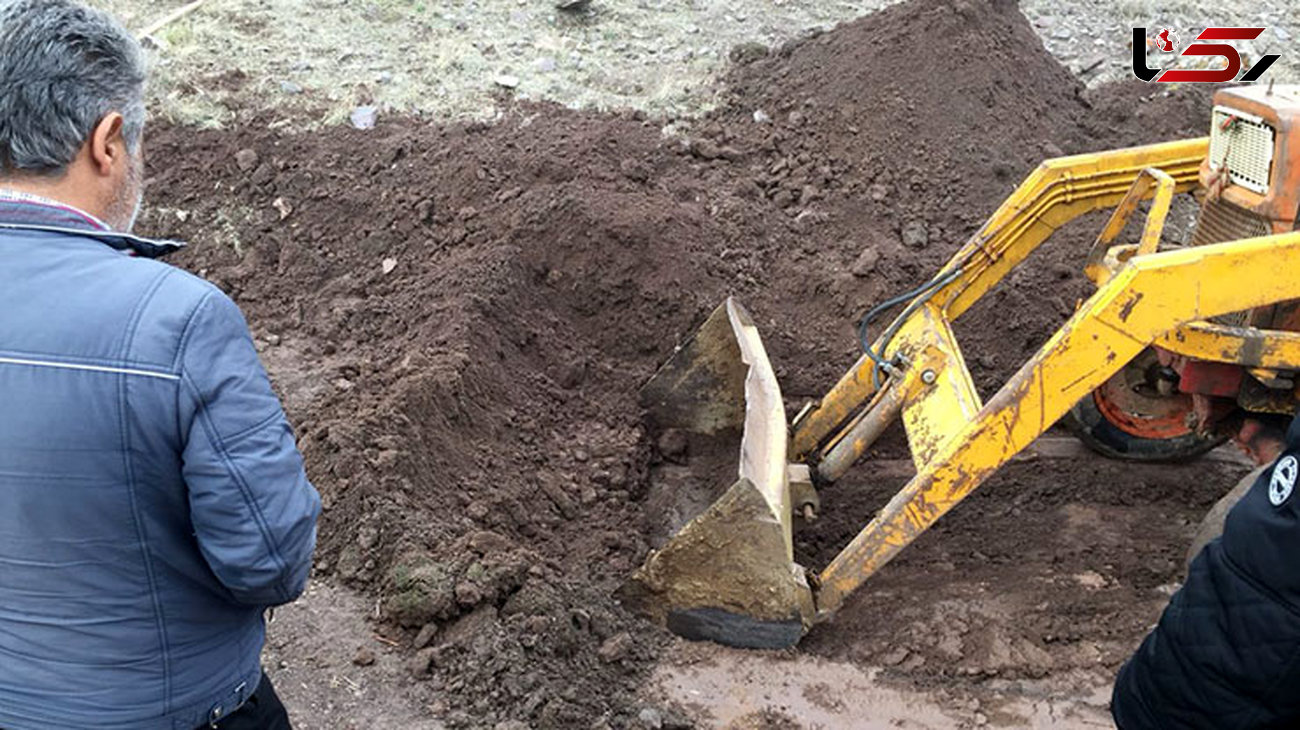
(1131, 417)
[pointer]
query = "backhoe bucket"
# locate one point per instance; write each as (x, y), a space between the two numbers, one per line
(729, 574)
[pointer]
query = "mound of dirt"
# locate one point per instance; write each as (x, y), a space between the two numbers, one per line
(458, 317)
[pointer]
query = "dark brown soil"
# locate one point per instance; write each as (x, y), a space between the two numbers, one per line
(458, 318)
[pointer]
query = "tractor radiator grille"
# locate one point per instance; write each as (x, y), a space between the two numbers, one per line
(1221, 221)
(1246, 146)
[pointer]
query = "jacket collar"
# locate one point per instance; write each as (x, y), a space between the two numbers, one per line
(25, 212)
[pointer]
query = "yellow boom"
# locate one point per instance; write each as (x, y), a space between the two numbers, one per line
(730, 574)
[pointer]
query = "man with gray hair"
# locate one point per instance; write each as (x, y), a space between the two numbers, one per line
(153, 502)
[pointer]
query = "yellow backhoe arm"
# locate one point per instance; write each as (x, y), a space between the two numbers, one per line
(1059, 191)
(729, 574)
(1138, 305)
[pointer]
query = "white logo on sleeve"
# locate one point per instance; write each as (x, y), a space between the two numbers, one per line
(1283, 481)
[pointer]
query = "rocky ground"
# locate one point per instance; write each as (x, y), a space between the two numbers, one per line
(320, 60)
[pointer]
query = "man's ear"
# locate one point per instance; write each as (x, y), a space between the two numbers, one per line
(107, 144)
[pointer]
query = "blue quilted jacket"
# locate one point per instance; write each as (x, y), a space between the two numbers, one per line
(152, 500)
(1226, 653)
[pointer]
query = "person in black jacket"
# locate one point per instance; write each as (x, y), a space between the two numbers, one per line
(1226, 652)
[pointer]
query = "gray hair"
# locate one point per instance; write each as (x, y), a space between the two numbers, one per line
(63, 67)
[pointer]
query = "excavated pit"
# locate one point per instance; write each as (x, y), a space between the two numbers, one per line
(459, 317)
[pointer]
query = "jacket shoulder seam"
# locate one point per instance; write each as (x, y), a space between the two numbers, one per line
(188, 329)
(133, 322)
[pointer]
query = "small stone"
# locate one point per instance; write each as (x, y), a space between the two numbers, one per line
(384, 77)
(913, 663)
(468, 593)
(1091, 580)
(634, 170)
(511, 725)
(651, 719)
(572, 5)
(616, 648)
(283, 207)
(866, 262)
(747, 52)
(878, 192)
(388, 265)
(365, 657)
(572, 375)
(364, 117)
(486, 541)
(471, 629)
(808, 218)
(273, 340)
(674, 720)
(1092, 63)
(672, 444)
(506, 81)
(705, 149)
(895, 657)
(545, 65)
(425, 636)
(247, 160)
(418, 664)
(1281, 33)
(1061, 34)
(367, 537)
(915, 235)
(981, 719)
(762, 117)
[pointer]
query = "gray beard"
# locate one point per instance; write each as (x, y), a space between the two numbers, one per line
(125, 208)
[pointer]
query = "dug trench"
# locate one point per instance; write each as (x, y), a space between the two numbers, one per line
(458, 318)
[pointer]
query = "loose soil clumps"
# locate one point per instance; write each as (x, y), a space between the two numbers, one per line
(458, 317)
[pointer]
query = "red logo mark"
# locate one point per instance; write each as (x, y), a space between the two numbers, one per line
(1166, 41)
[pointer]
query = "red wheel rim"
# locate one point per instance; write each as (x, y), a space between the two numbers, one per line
(1131, 404)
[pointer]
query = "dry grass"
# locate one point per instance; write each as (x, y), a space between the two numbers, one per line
(315, 60)
(445, 57)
